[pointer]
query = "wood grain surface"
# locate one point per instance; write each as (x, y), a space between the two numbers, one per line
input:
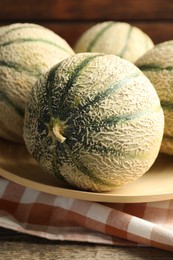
(86, 10)
(71, 18)
(15, 246)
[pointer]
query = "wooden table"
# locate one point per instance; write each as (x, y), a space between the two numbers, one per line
(70, 19)
(15, 245)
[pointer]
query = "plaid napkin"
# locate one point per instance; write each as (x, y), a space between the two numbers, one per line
(54, 217)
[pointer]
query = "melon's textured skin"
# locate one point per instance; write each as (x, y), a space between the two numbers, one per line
(26, 51)
(157, 64)
(119, 38)
(109, 119)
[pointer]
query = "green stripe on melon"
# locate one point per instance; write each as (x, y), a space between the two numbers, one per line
(98, 35)
(154, 67)
(26, 52)
(119, 38)
(20, 68)
(40, 40)
(17, 27)
(167, 105)
(125, 47)
(95, 121)
(157, 64)
(9, 103)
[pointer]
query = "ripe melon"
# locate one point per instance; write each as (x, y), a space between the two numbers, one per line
(157, 64)
(26, 51)
(119, 38)
(95, 121)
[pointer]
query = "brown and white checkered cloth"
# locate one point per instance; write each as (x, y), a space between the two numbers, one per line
(54, 217)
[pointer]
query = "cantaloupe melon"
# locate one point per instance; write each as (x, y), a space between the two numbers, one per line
(95, 121)
(157, 64)
(119, 38)
(26, 51)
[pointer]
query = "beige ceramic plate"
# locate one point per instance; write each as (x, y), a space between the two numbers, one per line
(18, 166)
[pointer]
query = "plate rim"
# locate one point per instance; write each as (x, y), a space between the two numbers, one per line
(84, 195)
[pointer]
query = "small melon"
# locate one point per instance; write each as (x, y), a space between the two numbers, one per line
(94, 121)
(157, 64)
(119, 38)
(26, 51)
